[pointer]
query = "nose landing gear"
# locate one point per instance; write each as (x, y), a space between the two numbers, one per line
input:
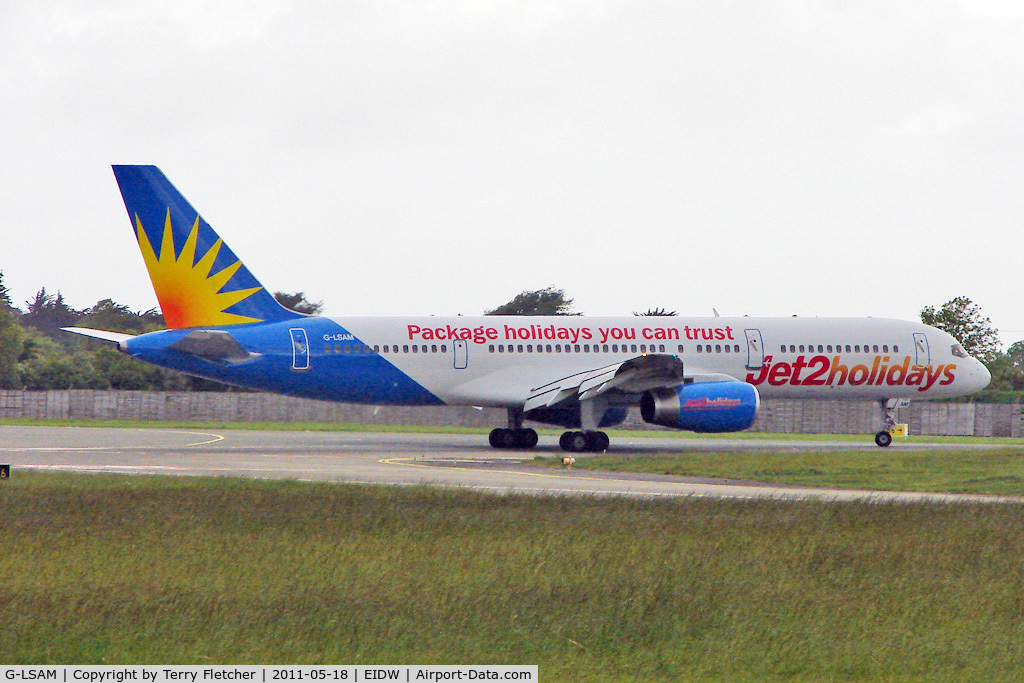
(889, 406)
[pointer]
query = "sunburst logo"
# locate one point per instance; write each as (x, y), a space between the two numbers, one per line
(189, 295)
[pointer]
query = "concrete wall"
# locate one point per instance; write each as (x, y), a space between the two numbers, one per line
(789, 415)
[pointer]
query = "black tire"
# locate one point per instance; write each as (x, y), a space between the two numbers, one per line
(502, 438)
(563, 441)
(597, 442)
(578, 442)
(883, 439)
(526, 438)
(574, 442)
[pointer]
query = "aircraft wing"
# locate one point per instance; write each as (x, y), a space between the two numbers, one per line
(633, 376)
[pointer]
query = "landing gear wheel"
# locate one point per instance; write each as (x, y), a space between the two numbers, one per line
(883, 439)
(574, 442)
(512, 438)
(527, 438)
(597, 442)
(502, 438)
(584, 442)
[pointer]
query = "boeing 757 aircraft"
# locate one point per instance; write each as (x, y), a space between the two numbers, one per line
(698, 374)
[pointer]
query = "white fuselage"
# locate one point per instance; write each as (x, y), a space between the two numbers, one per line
(500, 361)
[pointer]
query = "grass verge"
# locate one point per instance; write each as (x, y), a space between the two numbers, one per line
(987, 471)
(102, 569)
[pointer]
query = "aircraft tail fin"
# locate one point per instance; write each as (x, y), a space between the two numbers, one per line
(198, 280)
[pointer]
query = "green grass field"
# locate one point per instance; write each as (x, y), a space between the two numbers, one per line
(105, 569)
(979, 470)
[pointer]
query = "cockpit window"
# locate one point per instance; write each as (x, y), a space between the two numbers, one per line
(958, 351)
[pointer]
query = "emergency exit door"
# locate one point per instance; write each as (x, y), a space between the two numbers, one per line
(300, 349)
(461, 347)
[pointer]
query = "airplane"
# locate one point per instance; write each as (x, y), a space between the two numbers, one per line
(705, 375)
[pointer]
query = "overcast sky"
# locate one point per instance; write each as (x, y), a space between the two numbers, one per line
(392, 158)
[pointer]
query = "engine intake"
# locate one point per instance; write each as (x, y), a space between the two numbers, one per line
(702, 407)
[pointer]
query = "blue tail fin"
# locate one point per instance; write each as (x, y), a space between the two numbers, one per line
(198, 280)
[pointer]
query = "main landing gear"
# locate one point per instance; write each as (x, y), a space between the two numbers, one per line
(514, 436)
(584, 442)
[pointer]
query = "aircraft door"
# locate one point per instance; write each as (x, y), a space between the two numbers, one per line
(300, 349)
(922, 354)
(755, 349)
(461, 347)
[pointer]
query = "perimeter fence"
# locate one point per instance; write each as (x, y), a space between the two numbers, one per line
(778, 415)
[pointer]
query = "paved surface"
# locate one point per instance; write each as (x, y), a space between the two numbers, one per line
(402, 459)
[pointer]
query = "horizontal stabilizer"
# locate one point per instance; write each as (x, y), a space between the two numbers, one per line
(118, 338)
(215, 345)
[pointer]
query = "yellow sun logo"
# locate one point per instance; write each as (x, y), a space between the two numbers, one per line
(189, 295)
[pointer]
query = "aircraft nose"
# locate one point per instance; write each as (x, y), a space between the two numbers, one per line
(980, 376)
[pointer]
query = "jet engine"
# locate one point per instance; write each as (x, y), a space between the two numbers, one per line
(702, 407)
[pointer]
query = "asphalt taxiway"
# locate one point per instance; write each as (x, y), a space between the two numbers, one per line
(451, 460)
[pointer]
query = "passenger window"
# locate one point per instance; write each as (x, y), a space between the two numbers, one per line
(433, 348)
(700, 349)
(895, 349)
(520, 348)
(718, 348)
(680, 348)
(444, 348)
(632, 348)
(586, 348)
(875, 348)
(856, 348)
(415, 349)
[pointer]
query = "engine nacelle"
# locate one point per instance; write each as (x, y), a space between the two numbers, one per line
(702, 407)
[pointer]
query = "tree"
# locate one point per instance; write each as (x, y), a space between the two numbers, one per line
(108, 315)
(5, 297)
(48, 313)
(1006, 376)
(12, 342)
(1016, 353)
(547, 301)
(46, 364)
(297, 301)
(962, 318)
(656, 311)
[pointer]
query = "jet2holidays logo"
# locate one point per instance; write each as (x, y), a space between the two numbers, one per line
(822, 371)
